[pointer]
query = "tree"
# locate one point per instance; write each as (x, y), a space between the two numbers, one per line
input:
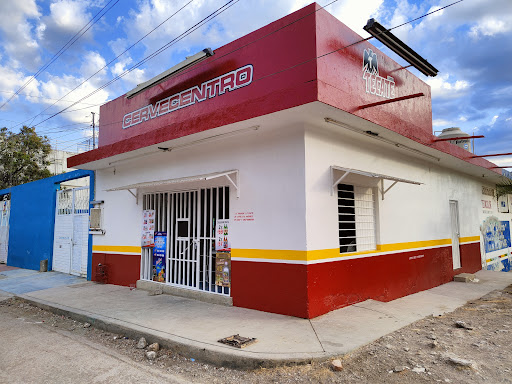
(23, 157)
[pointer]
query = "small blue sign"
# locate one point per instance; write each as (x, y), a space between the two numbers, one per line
(159, 252)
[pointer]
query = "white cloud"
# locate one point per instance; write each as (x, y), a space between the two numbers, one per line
(489, 27)
(68, 14)
(11, 80)
(503, 161)
(92, 63)
(493, 120)
(355, 13)
(134, 77)
(65, 19)
(57, 86)
(444, 89)
(18, 38)
(441, 123)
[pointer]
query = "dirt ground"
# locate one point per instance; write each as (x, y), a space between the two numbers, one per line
(434, 349)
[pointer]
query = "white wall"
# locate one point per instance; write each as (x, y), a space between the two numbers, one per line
(271, 166)
(408, 213)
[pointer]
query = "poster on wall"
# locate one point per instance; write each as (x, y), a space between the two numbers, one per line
(148, 228)
(223, 269)
(159, 252)
(503, 204)
(222, 242)
(496, 235)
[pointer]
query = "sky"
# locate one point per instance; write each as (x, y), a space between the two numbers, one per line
(470, 43)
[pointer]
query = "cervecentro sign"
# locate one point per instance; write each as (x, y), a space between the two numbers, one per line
(209, 89)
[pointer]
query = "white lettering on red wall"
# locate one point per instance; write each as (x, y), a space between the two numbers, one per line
(230, 81)
(376, 84)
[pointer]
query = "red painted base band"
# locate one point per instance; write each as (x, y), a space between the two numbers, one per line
(121, 269)
(312, 290)
(270, 287)
(309, 291)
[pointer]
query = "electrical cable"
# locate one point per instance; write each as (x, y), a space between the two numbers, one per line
(70, 42)
(151, 56)
(309, 60)
(46, 98)
(114, 59)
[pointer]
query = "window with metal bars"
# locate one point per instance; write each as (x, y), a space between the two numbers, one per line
(356, 218)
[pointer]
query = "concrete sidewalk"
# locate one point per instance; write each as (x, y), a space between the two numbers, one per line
(192, 328)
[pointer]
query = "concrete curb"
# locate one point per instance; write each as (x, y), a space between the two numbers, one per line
(212, 354)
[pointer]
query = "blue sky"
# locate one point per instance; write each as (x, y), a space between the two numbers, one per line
(470, 43)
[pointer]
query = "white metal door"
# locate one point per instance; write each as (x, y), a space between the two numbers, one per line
(4, 230)
(188, 218)
(455, 226)
(71, 239)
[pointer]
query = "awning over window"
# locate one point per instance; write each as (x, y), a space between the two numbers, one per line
(232, 177)
(364, 179)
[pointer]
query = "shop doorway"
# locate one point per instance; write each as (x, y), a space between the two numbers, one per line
(71, 236)
(455, 227)
(187, 220)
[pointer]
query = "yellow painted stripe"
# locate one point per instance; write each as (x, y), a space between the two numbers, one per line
(412, 245)
(469, 239)
(324, 254)
(116, 248)
(269, 254)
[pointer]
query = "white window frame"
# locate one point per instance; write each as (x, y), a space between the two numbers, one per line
(363, 228)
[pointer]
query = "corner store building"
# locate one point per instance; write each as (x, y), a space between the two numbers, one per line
(269, 133)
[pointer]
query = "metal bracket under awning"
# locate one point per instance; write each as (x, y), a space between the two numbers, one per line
(232, 176)
(374, 177)
(136, 195)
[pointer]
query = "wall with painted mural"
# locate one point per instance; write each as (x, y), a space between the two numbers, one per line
(496, 218)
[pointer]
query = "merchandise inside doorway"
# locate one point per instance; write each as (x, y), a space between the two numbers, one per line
(184, 252)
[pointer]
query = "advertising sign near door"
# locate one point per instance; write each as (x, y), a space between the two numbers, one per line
(222, 242)
(148, 228)
(159, 252)
(223, 269)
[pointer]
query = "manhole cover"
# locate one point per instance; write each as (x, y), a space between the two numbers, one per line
(238, 341)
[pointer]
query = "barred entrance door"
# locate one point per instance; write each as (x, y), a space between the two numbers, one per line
(71, 237)
(188, 218)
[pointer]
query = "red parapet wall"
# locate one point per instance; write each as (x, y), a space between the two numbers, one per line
(121, 269)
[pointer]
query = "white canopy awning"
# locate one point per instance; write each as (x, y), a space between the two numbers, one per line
(365, 178)
(148, 184)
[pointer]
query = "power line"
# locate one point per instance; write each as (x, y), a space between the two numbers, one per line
(114, 59)
(153, 55)
(46, 98)
(70, 42)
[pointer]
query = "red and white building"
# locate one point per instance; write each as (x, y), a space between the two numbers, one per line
(330, 200)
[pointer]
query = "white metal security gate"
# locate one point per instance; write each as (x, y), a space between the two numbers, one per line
(4, 229)
(71, 239)
(189, 219)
